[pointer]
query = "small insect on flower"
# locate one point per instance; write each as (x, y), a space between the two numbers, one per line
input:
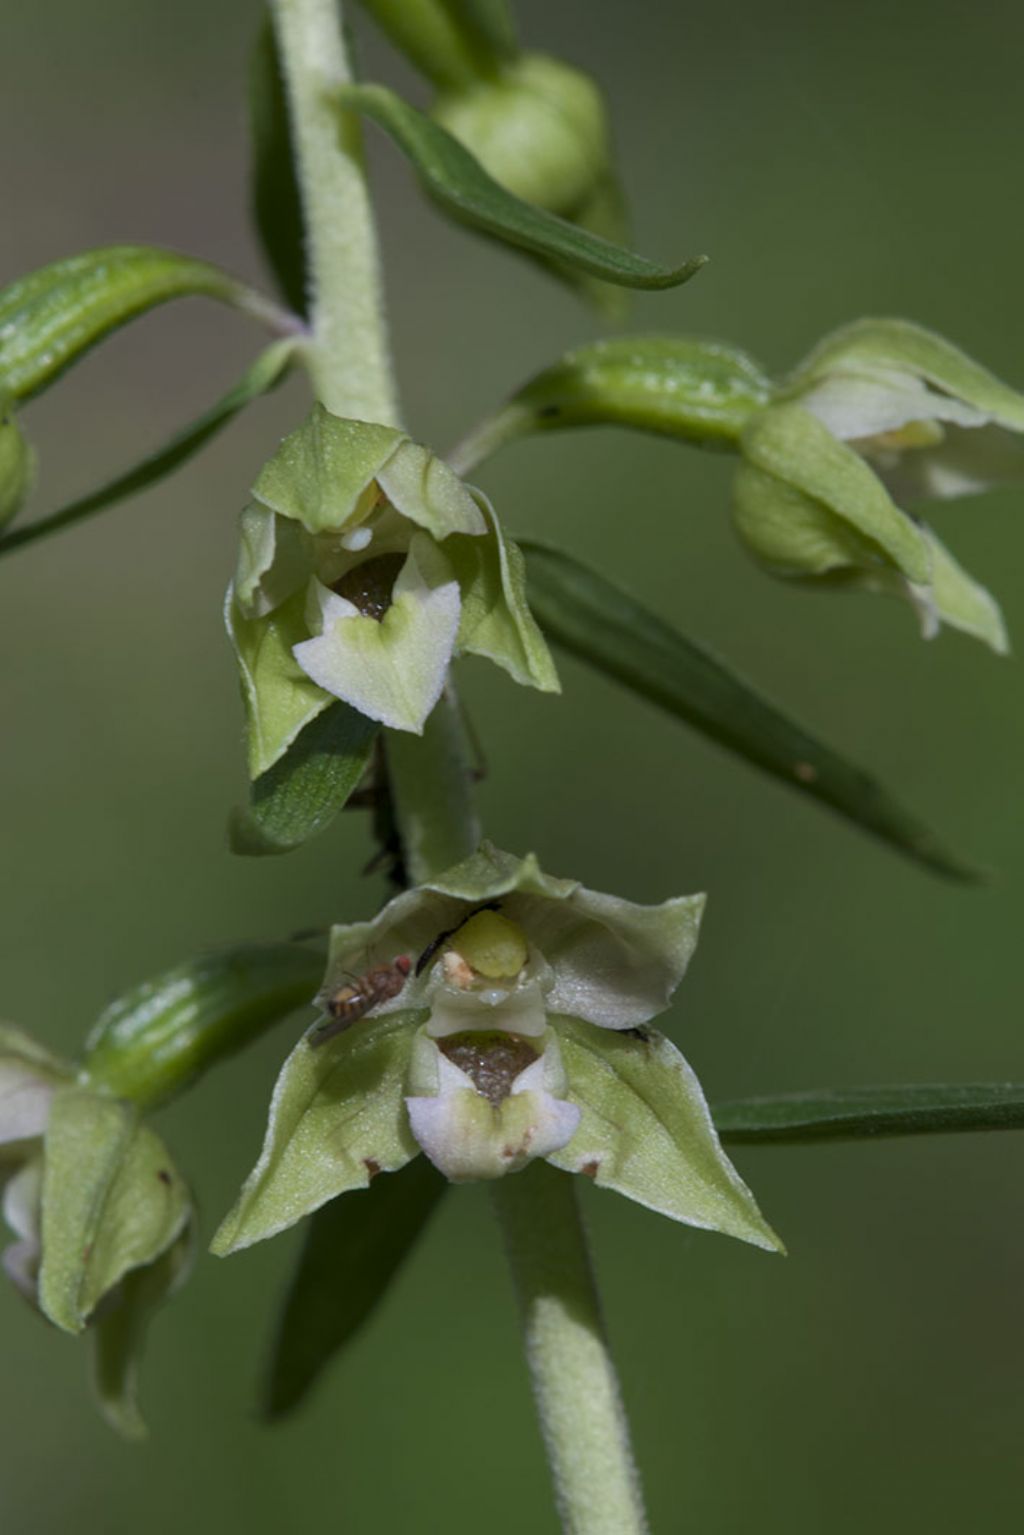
(348, 1003)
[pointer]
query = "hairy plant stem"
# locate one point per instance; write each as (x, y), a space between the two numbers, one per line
(574, 1381)
(348, 352)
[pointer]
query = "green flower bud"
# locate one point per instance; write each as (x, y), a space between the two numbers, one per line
(520, 1032)
(16, 469)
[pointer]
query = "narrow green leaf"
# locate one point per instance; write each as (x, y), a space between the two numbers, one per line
(840, 1114)
(50, 318)
(461, 188)
(604, 626)
(112, 1201)
(305, 789)
(264, 374)
(159, 1037)
(276, 204)
(353, 1249)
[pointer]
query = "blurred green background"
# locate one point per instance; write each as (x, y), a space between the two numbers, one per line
(834, 161)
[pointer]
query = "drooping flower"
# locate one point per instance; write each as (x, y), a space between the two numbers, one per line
(100, 1216)
(882, 414)
(522, 1032)
(365, 566)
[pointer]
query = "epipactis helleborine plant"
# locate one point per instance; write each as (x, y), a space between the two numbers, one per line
(881, 412)
(523, 1034)
(365, 566)
(102, 1219)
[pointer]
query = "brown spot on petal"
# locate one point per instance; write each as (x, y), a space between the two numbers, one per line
(590, 1169)
(372, 1167)
(164, 1176)
(806, 772)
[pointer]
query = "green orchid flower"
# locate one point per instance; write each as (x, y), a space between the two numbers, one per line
(521, 1032)
(882, 414)
(365, 566)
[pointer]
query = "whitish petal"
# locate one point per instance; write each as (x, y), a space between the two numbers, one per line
(521, 1009)
(275, 559)
(21, 1210)
(394, 670)
(469, 1138)
(862, 405)
(963, 464)
(25, 1097)
(424, 489)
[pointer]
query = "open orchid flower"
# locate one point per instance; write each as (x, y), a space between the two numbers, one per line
(365, 566)
(520, 1033)
(881, 414)
(101, 1218)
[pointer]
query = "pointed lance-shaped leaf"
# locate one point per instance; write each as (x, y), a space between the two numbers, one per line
(454, 43)
(264, 374)
(461, 188)
(276, 204)
(154, 1041)
(855, 1113)
(306, 788)
(602, 625)
(52, 317)
(352, 1251)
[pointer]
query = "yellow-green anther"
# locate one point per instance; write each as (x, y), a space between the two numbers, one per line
(492, 946)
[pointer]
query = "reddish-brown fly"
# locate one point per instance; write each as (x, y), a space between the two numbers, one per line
(352, 1001)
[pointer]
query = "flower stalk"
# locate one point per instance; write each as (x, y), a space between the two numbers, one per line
(574, 1381)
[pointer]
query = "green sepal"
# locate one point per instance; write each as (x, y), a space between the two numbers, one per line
(49, 319)
(280, 700)
(274, 189)
(496, 621)
(814, 505)
(337, 1118)
(955, 598)
(17, 469)
(899, 346)
(604, 626)
(112, 1202)
(855, 1113)
(645, 1131)
(320, 471)
(306, 788)
(157, 1039)
(119, 1333)
(352, 1251)
(463, 190)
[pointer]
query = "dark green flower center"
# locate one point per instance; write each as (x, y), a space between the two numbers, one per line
(369, 586)
(492, 1060)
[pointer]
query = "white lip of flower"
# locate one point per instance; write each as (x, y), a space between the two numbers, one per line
(22, 1212)
(469, 1133)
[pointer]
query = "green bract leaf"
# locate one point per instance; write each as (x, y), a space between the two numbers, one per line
(604, 626)
(53, 316)
(352, 1251)
(159, 1037)
(16, 469)
(276, 205)
(460, 186)
(856, 1112)
(306, 788)
(646, 1132)
(120, 1332)
(337, 1118)
(112, 1201)
(266, 372)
